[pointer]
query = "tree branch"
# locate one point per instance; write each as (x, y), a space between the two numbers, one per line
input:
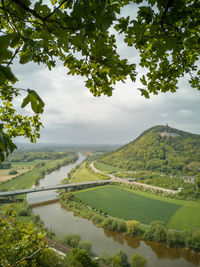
(45, 19)
(169, 4)
(32, 11)
(14, 55)
(64, 1)
(30, 256)
(4, 9)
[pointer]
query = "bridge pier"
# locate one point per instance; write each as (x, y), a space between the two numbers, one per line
(12, 198)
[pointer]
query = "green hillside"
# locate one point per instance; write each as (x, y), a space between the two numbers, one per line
(175, 151)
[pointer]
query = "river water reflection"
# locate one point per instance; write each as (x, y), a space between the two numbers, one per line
(103, 241)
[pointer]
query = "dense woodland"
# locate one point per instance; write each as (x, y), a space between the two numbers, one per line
(150, 151)
(30, 156)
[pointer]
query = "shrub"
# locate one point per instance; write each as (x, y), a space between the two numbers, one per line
(79, 257)
(118, 259)
(108, 223)
(196, 241)
(133, 227)
(114, 261)
(156, 232)
(175, 239)
(49, 257)
(124, 258)
(12, 172)
(97, 219)
(25, 211)
(138, 261)
(121, 225)
(84, 244)
(36, 219)
(71, 240)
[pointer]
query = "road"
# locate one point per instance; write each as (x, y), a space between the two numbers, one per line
(118, 179)
(46, 188)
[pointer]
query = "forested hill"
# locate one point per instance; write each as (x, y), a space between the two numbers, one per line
(160, 148)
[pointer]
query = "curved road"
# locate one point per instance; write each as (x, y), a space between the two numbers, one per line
(118, 179)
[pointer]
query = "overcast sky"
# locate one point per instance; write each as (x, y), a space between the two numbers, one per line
(74, 116)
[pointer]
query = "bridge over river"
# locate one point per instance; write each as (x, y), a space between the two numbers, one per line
(54, 187)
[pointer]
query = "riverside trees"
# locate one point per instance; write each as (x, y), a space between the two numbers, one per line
(166, 34)
(19, 241)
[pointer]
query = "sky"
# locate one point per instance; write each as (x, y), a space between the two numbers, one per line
(73, 115)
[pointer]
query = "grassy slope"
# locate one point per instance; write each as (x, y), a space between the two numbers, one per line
(106, 168)
(83, 174)
(177, 214)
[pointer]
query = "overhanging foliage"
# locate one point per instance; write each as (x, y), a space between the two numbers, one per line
(166, 34)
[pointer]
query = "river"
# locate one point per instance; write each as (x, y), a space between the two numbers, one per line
(103, 241)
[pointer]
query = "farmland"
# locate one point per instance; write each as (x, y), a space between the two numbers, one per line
(35, 172)
(20, 167)
(144, 207)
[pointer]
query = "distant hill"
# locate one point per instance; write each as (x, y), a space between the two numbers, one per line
(159, 148)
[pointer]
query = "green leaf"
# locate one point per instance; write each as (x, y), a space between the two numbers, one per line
(15, 40)
(6, 75)
(25, 102)
(5, 54)
(5, 41)
(26, 57)
(36, 102)
(144, 92)
(53, 2)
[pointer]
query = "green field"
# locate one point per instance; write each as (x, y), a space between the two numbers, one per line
(144, 207)
(85, 174)
(27, 179)
(106, 168)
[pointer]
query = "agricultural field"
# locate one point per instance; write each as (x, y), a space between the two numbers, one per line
(20, 167)
(33, 174)
(20, 162)
(144, 207)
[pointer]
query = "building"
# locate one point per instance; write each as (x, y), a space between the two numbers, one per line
(167, 132)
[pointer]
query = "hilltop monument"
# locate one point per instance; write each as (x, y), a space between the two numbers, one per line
(168, 133)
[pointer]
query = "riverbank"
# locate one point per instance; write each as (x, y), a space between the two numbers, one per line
(104, 242)
(20, 206)
(38, 172)
(156, 231)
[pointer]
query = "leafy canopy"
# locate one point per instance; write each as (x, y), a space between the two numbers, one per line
(20, 242)
(77, 32)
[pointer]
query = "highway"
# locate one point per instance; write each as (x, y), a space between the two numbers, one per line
(54, 187)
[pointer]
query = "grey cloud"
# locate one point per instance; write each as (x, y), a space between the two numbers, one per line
(52, 111)
(73, 115)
